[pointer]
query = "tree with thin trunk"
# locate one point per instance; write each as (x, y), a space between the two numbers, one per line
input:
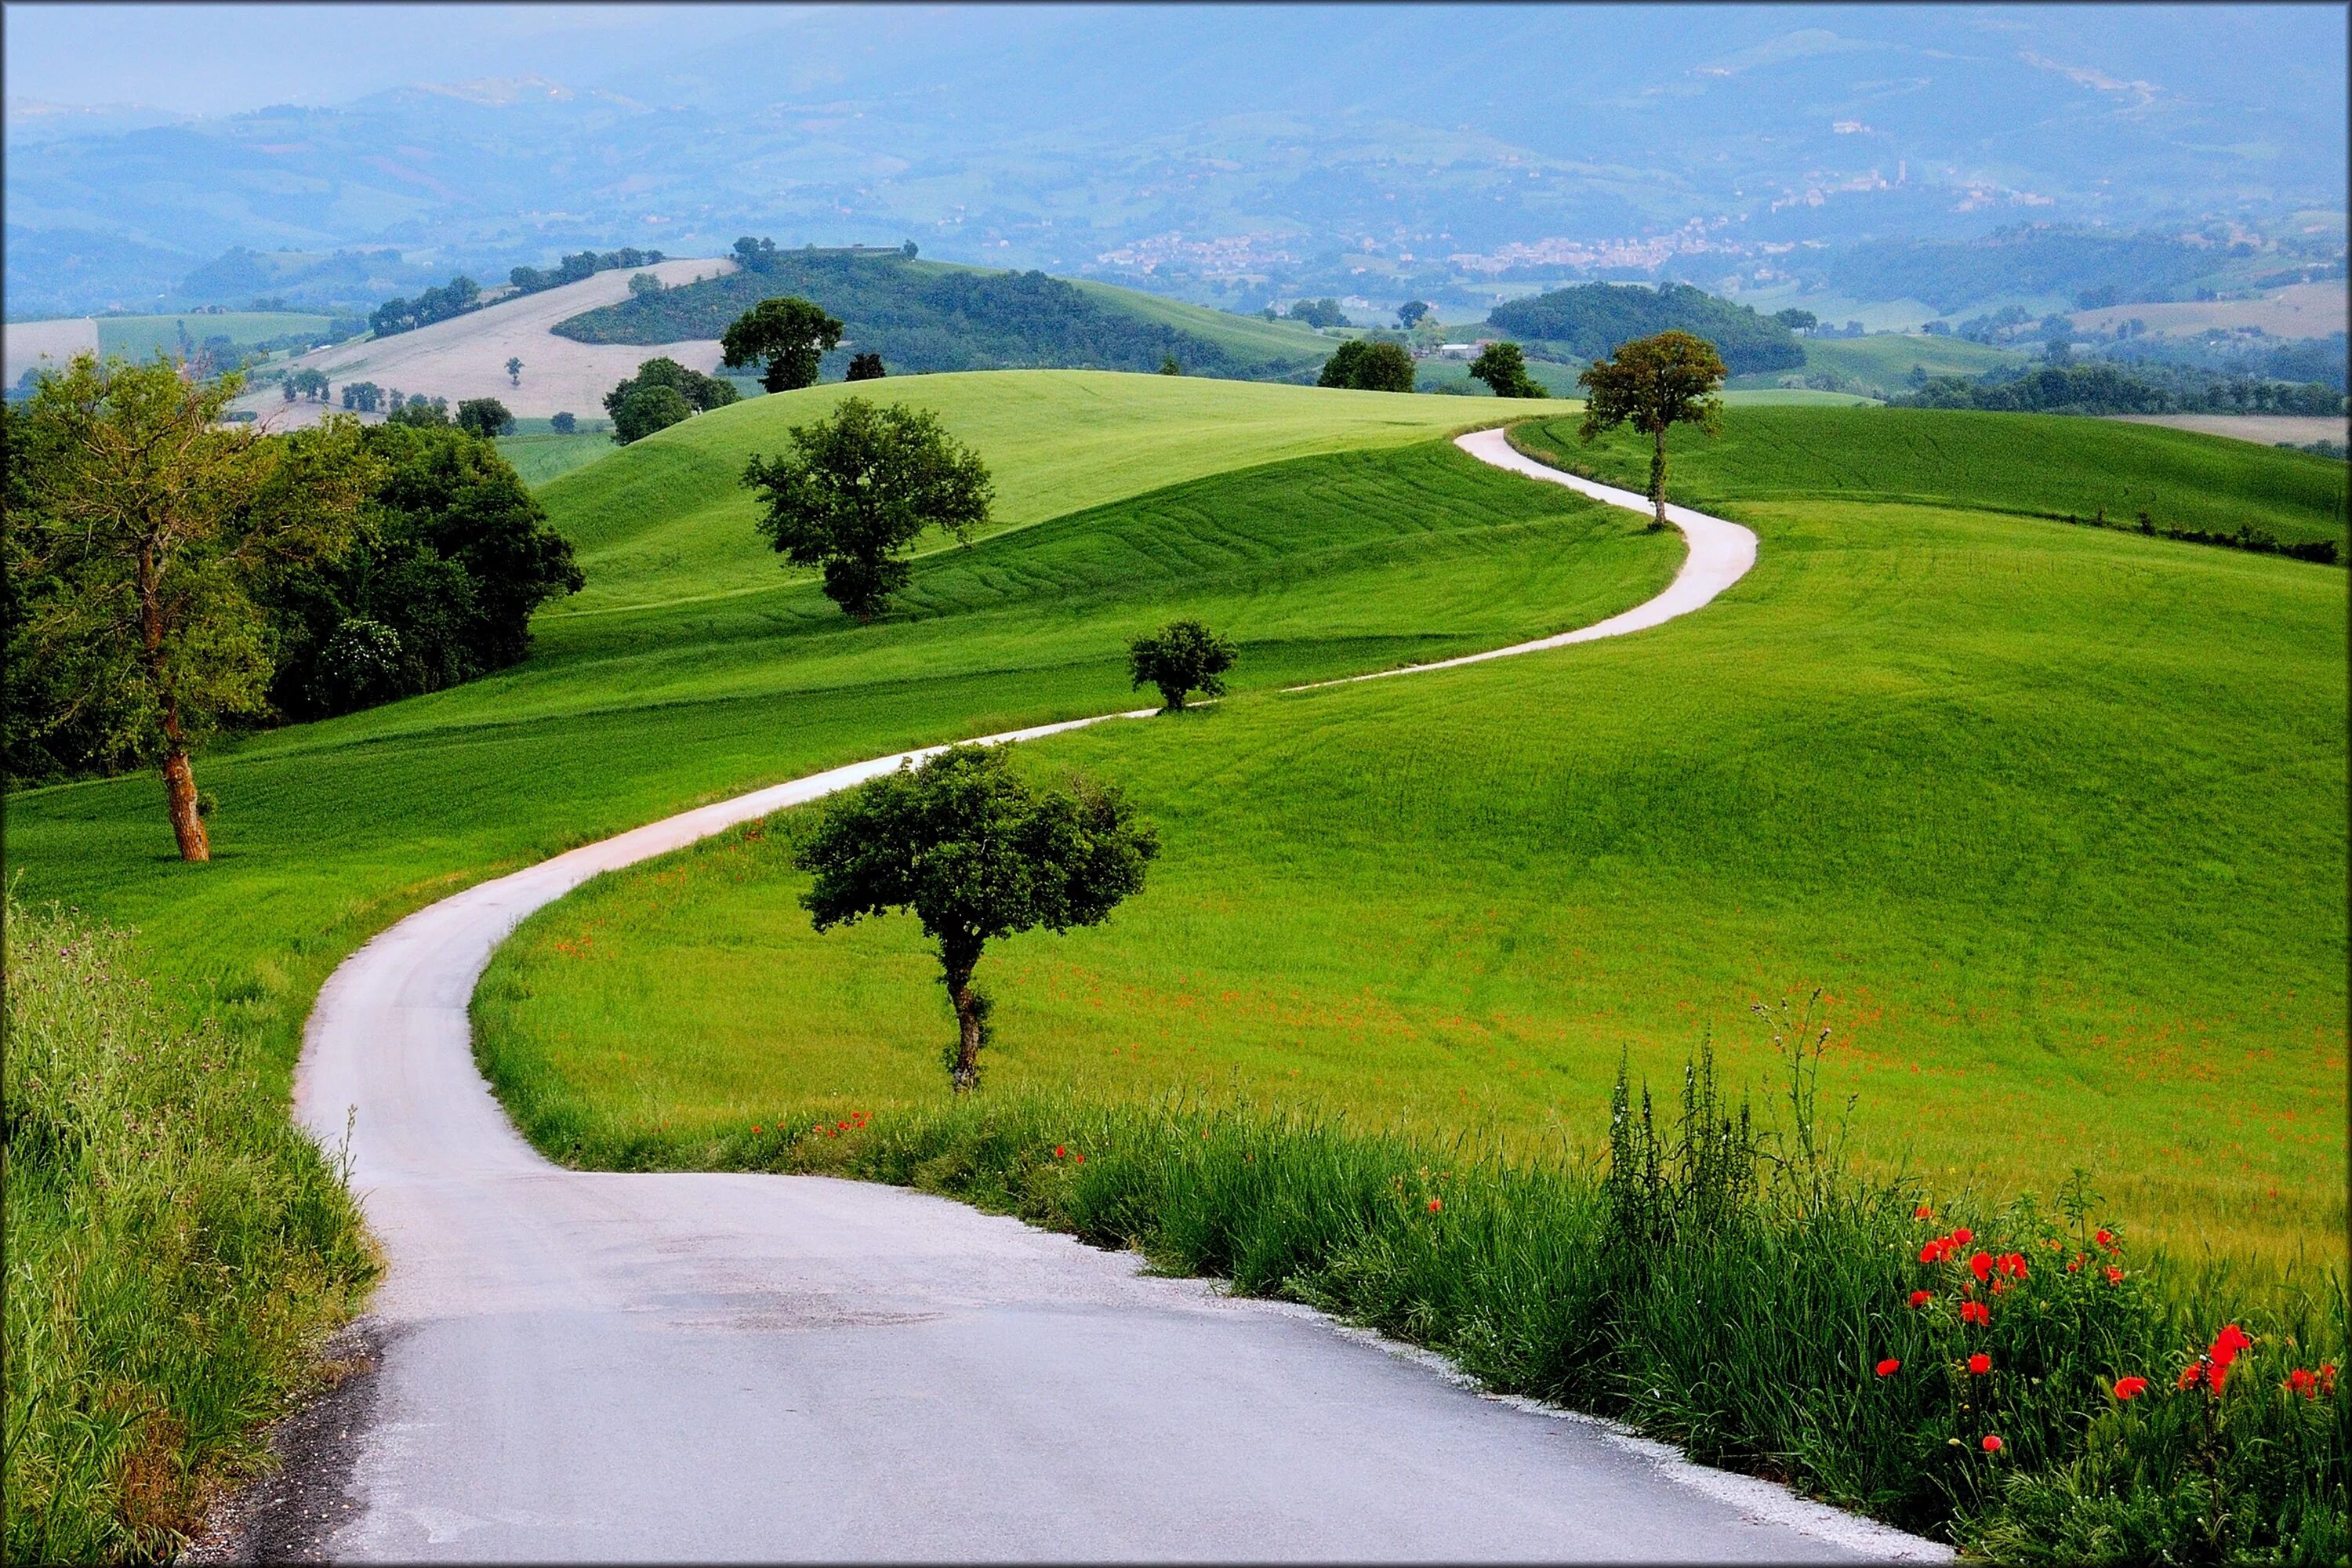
(514, 370)
(1180, 658)
(792, 334)
(977, 853)
(153, 522)
(1653, 384)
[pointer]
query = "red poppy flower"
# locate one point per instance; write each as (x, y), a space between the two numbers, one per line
(1923, 1212)
(1060, 1153)
(1921, 1298)
(1963, 1236)
(2190, 1375)
(755, 1127)
(1980, 1265)
(2225, 1348)
(2105, 1237)
(1932, 1253)
(1435, 1205)
(1889, 1367)
(1078, 1159)
(2114, 1275)
(2327, 1378)
(1992, 1443)
(2012, 1264)
(2303, 1382)
(2130, 1388)
(2075, 1265)
(1979, 1363)
(1975, 1313)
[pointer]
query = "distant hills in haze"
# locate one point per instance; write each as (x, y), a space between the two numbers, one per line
(1236, 156)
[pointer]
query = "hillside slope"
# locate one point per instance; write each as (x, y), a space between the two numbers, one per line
(466, 356)
(930, 316)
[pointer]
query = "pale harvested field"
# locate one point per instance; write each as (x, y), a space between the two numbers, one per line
(2269, 429)
(2297, 311)
(467, 356)
(29, 342)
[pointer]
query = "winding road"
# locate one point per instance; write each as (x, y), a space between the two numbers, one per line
(583, 1365)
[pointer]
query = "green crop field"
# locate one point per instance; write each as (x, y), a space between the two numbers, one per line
(2054, 817)
(1247, 337)
(674, 520)
(539, 455)
(1881, 362)
(137, 337)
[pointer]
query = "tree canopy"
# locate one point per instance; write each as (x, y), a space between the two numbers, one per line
(1180, 659)
(977, 853)
(859, 486)
(1653, 384)
(1594, 320)
(1410, 314)
(1504, 369)
(484, 416)
(1368, 366)
(638, 406)
(790, 333)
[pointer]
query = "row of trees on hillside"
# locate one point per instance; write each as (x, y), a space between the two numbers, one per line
(455, 298)
(579, 268)
(2096, 387)
(169, 577)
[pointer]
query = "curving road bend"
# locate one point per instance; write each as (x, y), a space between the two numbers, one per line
(583, 1365)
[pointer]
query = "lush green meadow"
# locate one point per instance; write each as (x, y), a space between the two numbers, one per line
(540, 456)
(1883, 361)
(2054, 817)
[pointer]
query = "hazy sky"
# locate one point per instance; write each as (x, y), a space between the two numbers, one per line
(219, 59)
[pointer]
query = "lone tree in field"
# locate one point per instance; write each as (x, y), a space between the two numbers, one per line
(977, 853)
(856, 491)
(484, 416)
(1180, 658)
(790, 333)
(865, 367)
(150, 527)
(1369, 367)
(1504, 369)
(1653, 384)
(514, 370)
(1410, 314)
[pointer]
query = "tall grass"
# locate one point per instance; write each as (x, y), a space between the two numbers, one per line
(175, 1253)
(1725, 1280)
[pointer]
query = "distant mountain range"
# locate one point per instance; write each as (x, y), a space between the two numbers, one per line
(1232, 155)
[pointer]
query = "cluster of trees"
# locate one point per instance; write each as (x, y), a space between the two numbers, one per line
(363, 396)
(455, 298)
(1368, 366)
(1592, 321)
(169, 577)
(2096, 387)
(573, 268)
(660, 395)
(922, 318)
(1503, 368)
(1323, 312)
(305, 384)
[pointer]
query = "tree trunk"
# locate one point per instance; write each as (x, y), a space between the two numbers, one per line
(967, 1011)
(1658, 478)
(180, 797)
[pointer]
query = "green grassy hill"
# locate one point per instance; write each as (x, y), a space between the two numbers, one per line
(2055, 816)
(932, 316)
(668, 518)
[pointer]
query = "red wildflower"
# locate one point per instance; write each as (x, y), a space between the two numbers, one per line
(845, 1126)
(1079, 1159)
(1921, 1298)
(1934, 1252)
(1979, 1363)
(2114, 1275)
(2191, 1375)
(755, 1127)
(1992, 1443)
(1980, 1265)
(1923, 1212)
(1435, 1205)
(2075, 1264)
(2303, 1382)
(2012, 1264)
(1060, 1153)
(1975, 1313)
(2105, 1237)
(2327, 1378)
(2225, 1348)
(2130, 1388)
(1999, 1286)
(1889, 1367)
(1963, 1236)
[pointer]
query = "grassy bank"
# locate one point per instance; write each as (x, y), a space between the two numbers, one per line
(1743, 1295)
(176, 1252)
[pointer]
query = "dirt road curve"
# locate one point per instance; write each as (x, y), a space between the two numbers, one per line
(575, 1365)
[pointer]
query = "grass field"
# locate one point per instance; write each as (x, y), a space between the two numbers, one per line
(2055, 818)
(670, 517)
(137, 337)
(1247, 337)
(1881, 364)
(540, 456)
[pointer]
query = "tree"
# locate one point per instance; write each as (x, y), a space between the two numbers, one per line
(646, 409)
(420, 411)
(363, 396)
(791, 333)
(1653, 384)
(856, 489)
(1169, 365)
(484, 416)
(1368, 366)
(1181, 657)
(1797, 321)
(514, 370)
(865, 367)
(1410, 314)
(1323, 312)
(152, 524)
(1503, 368)
(563, 424)
(644, 283)
(976, 854)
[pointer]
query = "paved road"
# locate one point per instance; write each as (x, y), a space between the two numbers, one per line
(585, 1365)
